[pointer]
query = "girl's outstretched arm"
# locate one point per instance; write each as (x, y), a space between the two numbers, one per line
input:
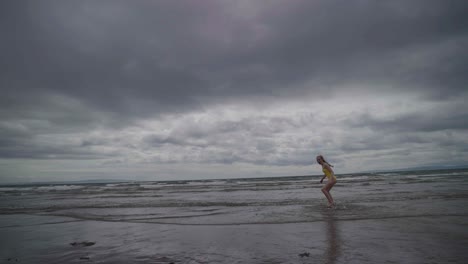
(323, 178)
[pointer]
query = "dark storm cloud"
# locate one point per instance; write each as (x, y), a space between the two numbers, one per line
(37, 140)
(429, 121)
(30, 147)
(141, 57)
(404, 142)
(77, 66)
(258, 140)
(252, 136)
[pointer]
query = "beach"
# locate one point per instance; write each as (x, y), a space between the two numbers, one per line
(399, 217)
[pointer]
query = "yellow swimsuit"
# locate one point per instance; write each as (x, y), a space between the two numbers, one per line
(328, 174)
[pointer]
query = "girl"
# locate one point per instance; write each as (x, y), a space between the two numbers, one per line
(327, 170)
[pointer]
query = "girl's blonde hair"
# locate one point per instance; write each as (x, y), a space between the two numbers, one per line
(320, 156)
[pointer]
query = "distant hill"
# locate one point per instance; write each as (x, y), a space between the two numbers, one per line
(420, 168)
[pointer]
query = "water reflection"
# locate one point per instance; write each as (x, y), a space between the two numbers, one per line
(333, 238)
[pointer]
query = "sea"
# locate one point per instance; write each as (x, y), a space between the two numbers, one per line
(381, 217)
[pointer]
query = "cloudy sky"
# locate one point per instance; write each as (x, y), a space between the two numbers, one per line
(157, 90)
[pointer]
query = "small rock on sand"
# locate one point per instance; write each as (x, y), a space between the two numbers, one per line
(83, 244)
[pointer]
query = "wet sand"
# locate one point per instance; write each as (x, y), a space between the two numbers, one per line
(46, 239)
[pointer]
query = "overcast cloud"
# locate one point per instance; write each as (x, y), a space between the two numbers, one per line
(153, 90)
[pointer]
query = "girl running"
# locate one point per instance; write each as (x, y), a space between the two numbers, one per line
(327, 170)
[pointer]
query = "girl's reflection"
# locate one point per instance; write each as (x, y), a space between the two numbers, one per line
(333, 238)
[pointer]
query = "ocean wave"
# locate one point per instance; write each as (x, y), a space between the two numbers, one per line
(15, 189)
(59, 187)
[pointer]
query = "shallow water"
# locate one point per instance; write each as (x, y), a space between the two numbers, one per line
(248, 201)
(419, 217)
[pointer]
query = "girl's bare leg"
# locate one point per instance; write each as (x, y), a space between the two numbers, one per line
(326, 190)
(327, 194)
